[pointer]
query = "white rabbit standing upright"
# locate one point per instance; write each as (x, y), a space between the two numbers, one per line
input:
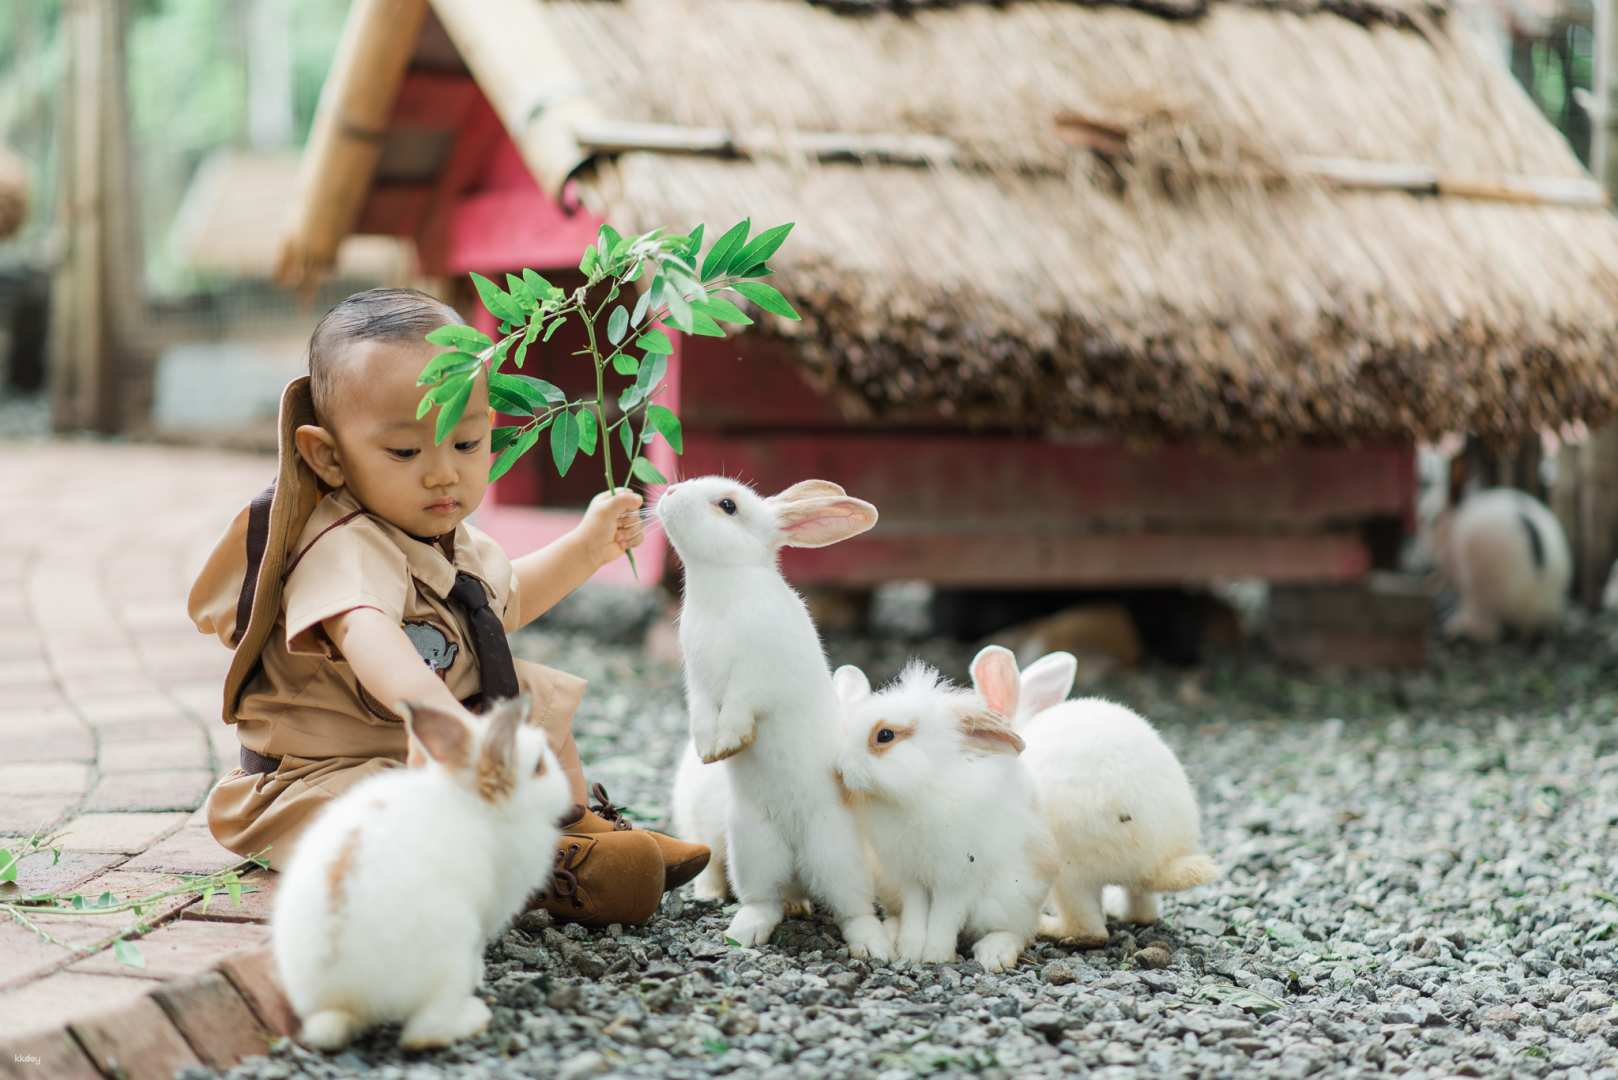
(761, 699)
(949, 809)
(1120, 807)
(385, 907)
(1507, 557)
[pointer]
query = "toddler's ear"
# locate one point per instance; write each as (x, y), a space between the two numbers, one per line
(319, 451)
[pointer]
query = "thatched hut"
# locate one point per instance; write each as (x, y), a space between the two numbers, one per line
(1160, 290)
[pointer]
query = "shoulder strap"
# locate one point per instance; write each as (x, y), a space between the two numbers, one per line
(258, 535)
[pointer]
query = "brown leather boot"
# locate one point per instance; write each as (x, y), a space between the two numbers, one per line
(610, 877)
(682, 861)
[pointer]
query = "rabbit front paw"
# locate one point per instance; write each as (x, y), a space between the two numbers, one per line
(724, 741)
(997, 952)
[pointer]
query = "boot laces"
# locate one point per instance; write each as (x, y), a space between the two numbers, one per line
(605, 810)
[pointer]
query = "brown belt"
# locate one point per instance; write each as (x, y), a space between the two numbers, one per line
(255, 762)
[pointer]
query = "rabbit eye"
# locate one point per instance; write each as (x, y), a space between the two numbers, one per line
(885, 735)
(728, 506)
(539, 769)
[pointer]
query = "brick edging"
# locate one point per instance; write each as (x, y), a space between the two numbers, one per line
(232, 1011)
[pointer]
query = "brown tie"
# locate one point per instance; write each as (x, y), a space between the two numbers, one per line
(488, 638)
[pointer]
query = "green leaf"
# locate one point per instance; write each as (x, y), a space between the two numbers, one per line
(762, 247)
(626, 438)
(679, 307)
(693, 244)
(527, 340)
(641, 307)
(564, 441)
(667, 424)
(718, 1046)
(508, 402)
(617, 324)
(724, 248)
(732, 942)
(551, 328)
(128, 954)
(655, 341)
(703, 325)
(536, 392)
(524, 443)
(446, 365)
(78, 902)
(651, 373)
(495, 299)
(719, 308)
(767, 298)
(539, 285)
(449, 413)
(588, 262)
(8, 865)
(502, 437)
(607, 238)
(522, 294)
(234, 888)
(207, 897)
(647, 472)
(624, 364)
(587, 430)
(464, 338)
(105, 900)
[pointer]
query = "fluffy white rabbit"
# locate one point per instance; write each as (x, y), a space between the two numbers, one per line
(948, 809)
(384, 910)
(761, 699)
(1120, 808)
(1507, 558)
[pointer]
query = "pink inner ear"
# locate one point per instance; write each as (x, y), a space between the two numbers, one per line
(819, 522)
(995, 676)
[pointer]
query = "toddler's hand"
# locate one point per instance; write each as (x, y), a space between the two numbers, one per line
(612, 525)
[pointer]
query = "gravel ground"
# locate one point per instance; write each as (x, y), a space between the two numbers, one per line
(24, 416)
(1421, 877)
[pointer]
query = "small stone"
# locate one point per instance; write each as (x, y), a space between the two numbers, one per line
(1153, 958)
(1057, 973)
(580, 1066)
(565, 998)
(1044, 1021)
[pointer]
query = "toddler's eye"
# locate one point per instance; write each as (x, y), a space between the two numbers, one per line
(469, 445)
(404, 455)
(728, 506)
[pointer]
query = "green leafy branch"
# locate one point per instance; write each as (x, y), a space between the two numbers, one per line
(682, 292)
(25, 910)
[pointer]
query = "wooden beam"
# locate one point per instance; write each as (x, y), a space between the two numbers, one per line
(888, 148)
(350, 127)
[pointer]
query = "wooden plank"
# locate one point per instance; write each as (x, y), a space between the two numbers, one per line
(394, 209)
(893, 148)
(512, 228)
(1021, 558)
(479, 133)
(942, 483)
(433, 99)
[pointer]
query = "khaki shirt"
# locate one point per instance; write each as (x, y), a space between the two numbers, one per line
(305, 700)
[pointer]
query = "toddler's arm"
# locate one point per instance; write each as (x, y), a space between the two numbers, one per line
(385, 662)
(611, 526)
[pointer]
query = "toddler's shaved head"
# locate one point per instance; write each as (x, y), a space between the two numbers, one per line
(387, 315)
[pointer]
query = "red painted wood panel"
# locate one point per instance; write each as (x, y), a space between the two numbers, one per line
(995, 558)
(953, 483)
(394, 209)
(509, 228)
(433, 99)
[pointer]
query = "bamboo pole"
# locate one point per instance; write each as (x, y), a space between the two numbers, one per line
(350, 127)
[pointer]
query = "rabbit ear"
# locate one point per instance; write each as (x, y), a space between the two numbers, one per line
(821, 520)
(496, 775)
(439, 735)
(805, 489)
(1047, 681)
(990, 733)
(994, 676)
(851, 684)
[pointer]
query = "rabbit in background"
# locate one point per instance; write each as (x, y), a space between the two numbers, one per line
(384, 910)
(948, 809)
(761, 700)
(1507, 558)
(1120, 808)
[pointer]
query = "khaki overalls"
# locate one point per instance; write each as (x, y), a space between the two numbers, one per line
(299, 554)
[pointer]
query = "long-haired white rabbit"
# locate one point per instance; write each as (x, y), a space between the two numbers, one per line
(1507, 558)
(948, 809)
(1120, 807)
(701, 807)
(383, 913)
(761, 699)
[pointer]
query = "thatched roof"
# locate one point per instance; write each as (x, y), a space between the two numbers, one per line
(1251, 221)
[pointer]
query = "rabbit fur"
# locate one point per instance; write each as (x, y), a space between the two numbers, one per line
(1120, 808)
(760, 698)
(384, 909)
(949, 811)
(1507, 558)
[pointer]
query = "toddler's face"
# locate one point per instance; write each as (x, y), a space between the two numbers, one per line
(388, 458)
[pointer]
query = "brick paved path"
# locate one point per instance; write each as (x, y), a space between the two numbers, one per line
(110, 732)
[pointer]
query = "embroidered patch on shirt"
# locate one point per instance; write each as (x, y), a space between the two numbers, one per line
(435, 648)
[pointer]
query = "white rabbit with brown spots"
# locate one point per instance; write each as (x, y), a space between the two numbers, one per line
(760, 697)
(384, 910)
(1120, 807)
(949, 811)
